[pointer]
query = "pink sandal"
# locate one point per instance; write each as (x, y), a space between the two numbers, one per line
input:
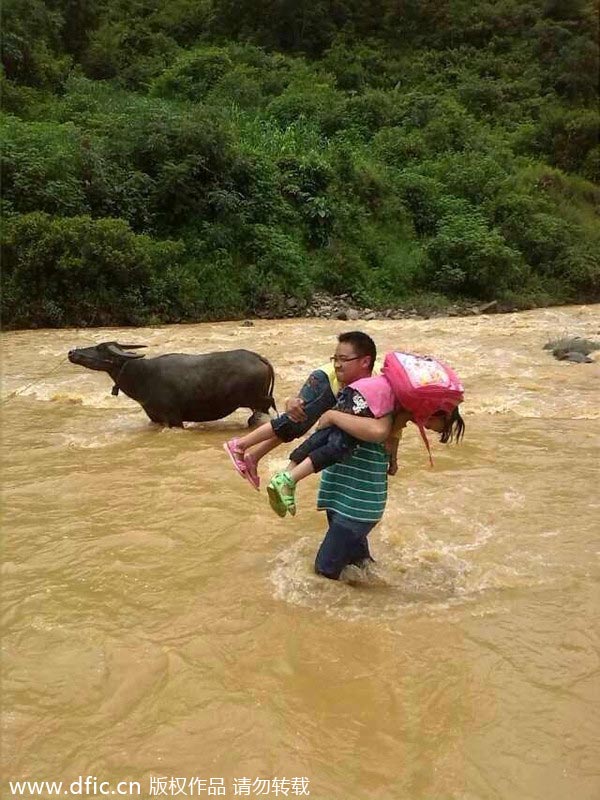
(251, 473)
(236, 456)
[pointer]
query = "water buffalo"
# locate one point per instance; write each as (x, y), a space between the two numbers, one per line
(177, 388)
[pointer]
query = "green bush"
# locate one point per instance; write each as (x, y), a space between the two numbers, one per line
(422, 196)
(577, 270)
(542, 238)
(318, 102)
(27, 102)
(217, 286)
(567, 137)
(370, 111)
(392, 270)
(276, 266)
(358, 64)
(475, 176)
(467, 258)
(341, 268)
(453, 129)
(304, 183)
(235, 73)
(79, 271)
(183, 20)
(193, 74)
(128, 50)
(41, 167)
(52, 167)
(398, 147)
(241, 86)
(31, 44)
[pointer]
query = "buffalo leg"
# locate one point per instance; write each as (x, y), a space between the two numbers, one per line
(153, 416)
(161, 419)
(258, 418)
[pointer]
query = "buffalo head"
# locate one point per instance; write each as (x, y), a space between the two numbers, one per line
(105, 356)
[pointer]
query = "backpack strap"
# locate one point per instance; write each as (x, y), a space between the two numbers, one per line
(421, 428)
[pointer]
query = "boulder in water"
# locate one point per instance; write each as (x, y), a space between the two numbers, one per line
(573, 348)
(572, 355)
(574, 344)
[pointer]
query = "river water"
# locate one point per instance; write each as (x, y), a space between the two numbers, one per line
(160, 620)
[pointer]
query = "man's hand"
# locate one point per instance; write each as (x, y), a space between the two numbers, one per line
(324, 420)
(294, 408)
(392, 466)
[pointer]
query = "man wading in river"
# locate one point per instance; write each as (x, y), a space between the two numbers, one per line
(353, 492)
(365, 474)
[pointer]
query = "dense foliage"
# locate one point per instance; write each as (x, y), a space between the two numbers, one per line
(205, 158)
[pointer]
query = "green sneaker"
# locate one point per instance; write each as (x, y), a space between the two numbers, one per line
(282, 494)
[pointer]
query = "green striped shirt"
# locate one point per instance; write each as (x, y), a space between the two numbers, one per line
(357, 487)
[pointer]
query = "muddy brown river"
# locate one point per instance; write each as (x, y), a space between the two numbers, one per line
(162, 627)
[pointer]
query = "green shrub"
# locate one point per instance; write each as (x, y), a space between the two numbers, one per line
(341, 267)
(41, 167)
(475, 176)
(304, 183)
(590, 167)
(542, 238)
(240, 86)
(358, 64)
(217, 287)
(276, 267)
(318, 102)
(370, 111)
(183, 20)
(399, 147)
(465, 257)
(79, 271)
(393, 267)
(31, 44)
(128, 50)
(26, 102)
(421, 195)
(578, 270)
(565, 137)
(453, 129)
(193, 74)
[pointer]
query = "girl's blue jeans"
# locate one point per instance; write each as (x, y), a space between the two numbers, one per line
(318, 398)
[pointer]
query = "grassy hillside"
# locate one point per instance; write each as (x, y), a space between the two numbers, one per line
(198, 159)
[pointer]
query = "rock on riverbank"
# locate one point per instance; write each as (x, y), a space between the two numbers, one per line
(345, 307)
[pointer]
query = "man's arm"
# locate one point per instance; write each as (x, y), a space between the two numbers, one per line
(399, 422)
(391, 445)
(365, 428)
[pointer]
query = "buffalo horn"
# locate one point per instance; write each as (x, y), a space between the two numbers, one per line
(116, 351)
(130, 346)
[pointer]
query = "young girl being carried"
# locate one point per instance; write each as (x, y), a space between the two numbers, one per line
(354, 359)
(413, 388)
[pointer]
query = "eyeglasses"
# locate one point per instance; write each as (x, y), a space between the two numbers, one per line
(343, 359)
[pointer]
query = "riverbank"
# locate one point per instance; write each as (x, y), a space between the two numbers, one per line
(346, 307)
(341, 307)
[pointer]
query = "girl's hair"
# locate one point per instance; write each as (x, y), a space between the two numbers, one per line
(454, 426)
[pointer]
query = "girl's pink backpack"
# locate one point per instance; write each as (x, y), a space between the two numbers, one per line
(422, 385)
